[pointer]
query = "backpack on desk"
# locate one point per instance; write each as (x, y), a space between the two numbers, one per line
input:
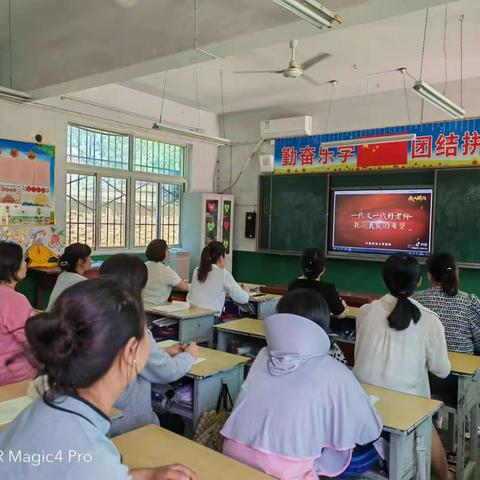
(208, 428)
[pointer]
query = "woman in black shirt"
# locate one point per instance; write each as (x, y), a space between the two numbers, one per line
(313, 267)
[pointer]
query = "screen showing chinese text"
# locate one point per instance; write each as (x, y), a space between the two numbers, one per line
(381, 221)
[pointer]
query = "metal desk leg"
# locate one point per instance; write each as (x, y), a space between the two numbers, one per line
(207, 389)
(222, 340)
(461, 415)
(473, 453)
(403, 463)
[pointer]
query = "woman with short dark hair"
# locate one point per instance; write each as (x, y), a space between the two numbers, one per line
(164, 365)
(14, 312)
(161, 278)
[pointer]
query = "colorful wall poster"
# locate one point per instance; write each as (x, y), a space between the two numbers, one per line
(26, 184)
(27, 206)
(436, 145)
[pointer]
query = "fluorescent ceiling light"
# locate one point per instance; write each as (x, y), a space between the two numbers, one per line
(190, 134)
(312, 11)
(429, 93)
(406, 137)
(14, 94)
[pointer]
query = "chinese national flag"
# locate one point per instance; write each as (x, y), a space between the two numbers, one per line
(382, 154)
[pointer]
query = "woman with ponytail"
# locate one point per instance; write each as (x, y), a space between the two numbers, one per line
(458, 311)
(399, 341)
(92, 344)
(74, 262)
(211, 281)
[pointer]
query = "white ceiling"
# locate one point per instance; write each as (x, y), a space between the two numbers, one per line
(357, 51)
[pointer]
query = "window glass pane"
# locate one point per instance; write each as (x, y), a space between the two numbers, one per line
(97, 148)
(170, 213)
(80, 209)
(146, 212)
(157, 157)
(113, 212)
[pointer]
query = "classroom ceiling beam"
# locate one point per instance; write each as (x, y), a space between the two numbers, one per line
(72, 46)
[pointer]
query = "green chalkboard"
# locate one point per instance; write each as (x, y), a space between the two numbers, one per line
(457, 214)
(293, 212)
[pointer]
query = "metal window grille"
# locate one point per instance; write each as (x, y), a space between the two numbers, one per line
(170, 213)
(146, 212)
(104, 206)
(81, 208)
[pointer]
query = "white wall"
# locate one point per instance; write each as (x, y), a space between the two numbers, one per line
(355, 113)
(24, 121)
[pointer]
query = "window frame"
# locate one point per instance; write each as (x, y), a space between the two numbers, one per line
(131, 177)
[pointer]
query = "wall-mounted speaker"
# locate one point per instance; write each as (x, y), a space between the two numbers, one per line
(250, 224)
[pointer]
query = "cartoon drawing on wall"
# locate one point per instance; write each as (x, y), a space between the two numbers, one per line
(26, 183)
(27, 210)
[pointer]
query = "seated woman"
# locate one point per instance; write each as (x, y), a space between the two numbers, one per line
(162, 365)
(293, 417)
(399, 341)
(211, 281)
(458, 311)
(74, 262)
(14, 312)
(313, 268)
(161, 278)
(92, 345)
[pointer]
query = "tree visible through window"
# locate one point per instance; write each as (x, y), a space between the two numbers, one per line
(122, 191)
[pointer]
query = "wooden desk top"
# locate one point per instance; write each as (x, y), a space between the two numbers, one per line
(14, 390)
(264, 297)
(400, 411)
(192, 312)
(19, 389)
(247, 326)
(215, 361)
(464, 364)
(153, 446)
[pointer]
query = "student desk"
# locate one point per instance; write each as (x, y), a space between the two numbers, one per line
(264, 304)
(19, 389)
(194, 323)
(207, 378)
(244, 328)
(152, 446)
(408, 419)
(467, 369)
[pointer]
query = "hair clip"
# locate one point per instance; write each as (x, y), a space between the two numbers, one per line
(63, 263)
(449, 268)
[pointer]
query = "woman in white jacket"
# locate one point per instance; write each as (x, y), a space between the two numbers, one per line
(399, 341)
(211, 281)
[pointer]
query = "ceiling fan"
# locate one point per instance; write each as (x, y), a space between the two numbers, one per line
(295, 70)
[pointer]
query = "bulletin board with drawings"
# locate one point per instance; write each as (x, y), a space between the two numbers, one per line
(27, 201)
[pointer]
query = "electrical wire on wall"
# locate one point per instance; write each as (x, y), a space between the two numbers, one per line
(244, 166)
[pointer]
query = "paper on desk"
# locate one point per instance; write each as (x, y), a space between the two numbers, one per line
(373, 399)
(167, 343)
(11, 408)
(170, 343)
(175, 306)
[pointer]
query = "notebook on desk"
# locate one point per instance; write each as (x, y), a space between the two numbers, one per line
(175, 306)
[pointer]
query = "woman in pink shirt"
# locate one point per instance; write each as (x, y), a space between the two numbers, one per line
(14, 312)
